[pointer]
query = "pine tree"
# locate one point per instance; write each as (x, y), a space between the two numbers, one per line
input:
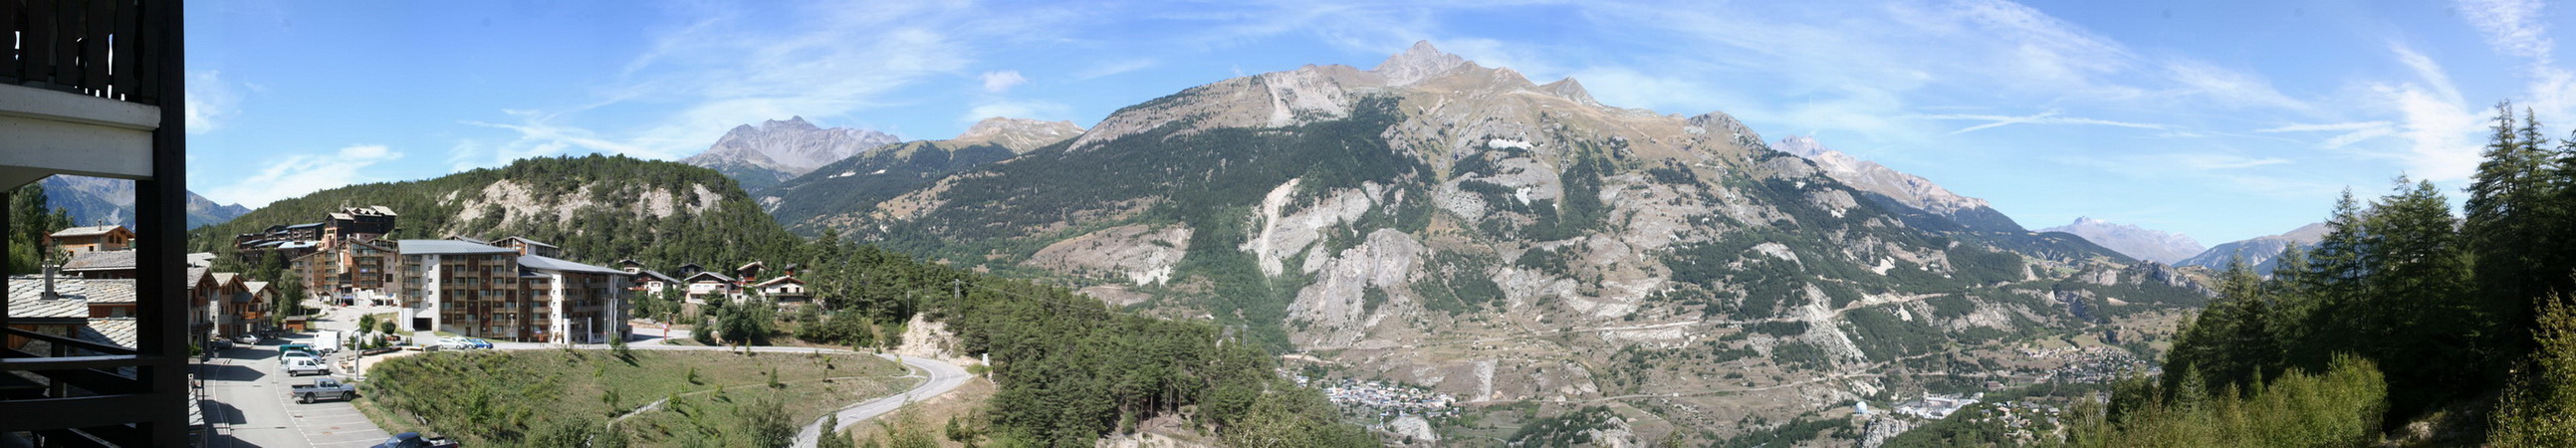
(2427, 330)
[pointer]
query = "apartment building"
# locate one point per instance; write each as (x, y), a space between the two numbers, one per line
(494, 292)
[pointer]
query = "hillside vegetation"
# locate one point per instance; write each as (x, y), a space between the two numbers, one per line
(2454, 312)
(597, 208)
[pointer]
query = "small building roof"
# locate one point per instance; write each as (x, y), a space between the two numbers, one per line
(557, 264)
(467, 239)
(449, 247)
(255, 286)
(309, 225)
(117, 331)
(223, 279)
(91, 231)
(710, 276)
(648, 274)
(104, 260)
(780, 280)
(201, 259)
(27, 301)
(522, 240)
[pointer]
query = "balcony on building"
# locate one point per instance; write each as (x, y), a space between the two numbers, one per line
(94, 88)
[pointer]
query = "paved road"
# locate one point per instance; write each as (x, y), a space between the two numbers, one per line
(943, 376)
(247, 405)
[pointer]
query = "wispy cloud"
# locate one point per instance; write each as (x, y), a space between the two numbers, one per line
(2049, 117)
(1111, 68)
(825, 61)
(301, 174)
(212, 101)
(2353, 132)
(2440, 129)
(1002, 81)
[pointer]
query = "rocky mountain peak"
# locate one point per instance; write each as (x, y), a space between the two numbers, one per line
(1907, 189)
(777, 150)
(2136, 242)
(2260, 253)
(1416, 64)
(1018, 134)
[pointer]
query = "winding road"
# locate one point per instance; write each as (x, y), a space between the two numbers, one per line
(942, 377)
(939, 377)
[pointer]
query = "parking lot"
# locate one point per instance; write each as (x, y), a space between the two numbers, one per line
(247, 404)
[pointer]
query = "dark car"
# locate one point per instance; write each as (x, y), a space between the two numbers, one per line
(415, 440)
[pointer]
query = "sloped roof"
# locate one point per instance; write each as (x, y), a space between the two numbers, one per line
(26, 299)
(656, 276)
(557, 264)
(105, 290)
(117, 331)
(714, 276)
(104, 260)
(255, 286)
(449, 247)
(780, 279)
(523, 240)
(201, 258)
(226, 278)
(89, 231)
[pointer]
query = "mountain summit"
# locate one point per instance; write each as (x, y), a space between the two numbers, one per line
(1416, 64)
(2261, 253)
(762, 156)
(2134, 241)
(1438, 223)
(1018, 134)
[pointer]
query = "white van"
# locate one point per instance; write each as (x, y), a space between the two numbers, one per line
(302, 366)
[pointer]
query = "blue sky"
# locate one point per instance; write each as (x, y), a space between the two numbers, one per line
(2221, 120)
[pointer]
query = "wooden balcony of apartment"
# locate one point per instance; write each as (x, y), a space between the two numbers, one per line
(95, 88)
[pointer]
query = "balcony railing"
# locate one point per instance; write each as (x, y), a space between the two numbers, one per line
(97, 47)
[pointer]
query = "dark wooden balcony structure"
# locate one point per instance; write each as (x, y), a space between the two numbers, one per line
(95, 88)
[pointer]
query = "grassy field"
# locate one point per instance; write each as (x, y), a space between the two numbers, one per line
(561, 397)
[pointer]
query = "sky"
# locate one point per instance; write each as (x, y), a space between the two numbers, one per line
(2220, 120)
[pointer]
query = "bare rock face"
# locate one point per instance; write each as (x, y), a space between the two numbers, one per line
(1438, 223)
(774, 151)
(1908, 189)
(1018, 134)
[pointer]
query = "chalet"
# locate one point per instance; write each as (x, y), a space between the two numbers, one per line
(783, 290)
(687, 270)
(92, 239)
(749, 271)
(355, 224)
(248, 310)
(651, 282)
(101, 264)
(704, 285)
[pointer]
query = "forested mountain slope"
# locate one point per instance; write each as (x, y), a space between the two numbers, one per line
(1435, 222)
(598, 208)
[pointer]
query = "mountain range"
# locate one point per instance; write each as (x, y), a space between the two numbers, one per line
(774, 151)
(94, 201)
(2137, 242)
(1435, 222)
(2260, 253)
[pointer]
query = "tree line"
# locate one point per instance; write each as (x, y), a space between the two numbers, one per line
(2404, 312)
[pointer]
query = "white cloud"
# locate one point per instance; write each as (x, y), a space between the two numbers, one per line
(2353, 132)
(2049, 117)
(821, 61)
(1037, 110)
(1105, 69)
(212, 102)
(1002, 81)
(2210, 162)
(2511, 26)
(301, 174)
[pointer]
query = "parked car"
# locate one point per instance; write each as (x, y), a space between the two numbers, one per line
(416, 440)
(323, 389)
(302, 366)
(247, 339)
(288, 357)
(297, 347)
(480, 343)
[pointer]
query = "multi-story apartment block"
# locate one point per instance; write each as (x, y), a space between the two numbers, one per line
(480, 290)
(348, 267)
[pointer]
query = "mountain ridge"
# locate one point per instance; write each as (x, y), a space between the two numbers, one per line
(1381, 221)
(777, 150)
(104, 201)
(2138, 242)
(2262, 253)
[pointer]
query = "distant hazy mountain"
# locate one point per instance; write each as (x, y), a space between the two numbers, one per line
(762, 156)
(2134, 241)
(103, 201)
(2262, 252)
(1894, 187)
(1018, 134)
